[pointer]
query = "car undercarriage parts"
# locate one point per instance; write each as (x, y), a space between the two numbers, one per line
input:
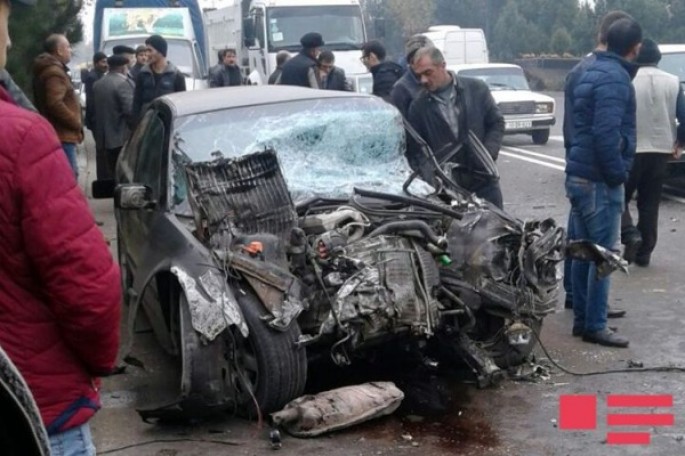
(409, 226)
(606, 260)
(311, 416)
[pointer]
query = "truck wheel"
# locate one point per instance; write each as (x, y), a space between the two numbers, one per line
(272, 371)
(540, 136)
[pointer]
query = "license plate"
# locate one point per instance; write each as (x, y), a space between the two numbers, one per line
(519, 124)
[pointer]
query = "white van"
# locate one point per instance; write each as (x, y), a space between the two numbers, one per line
(459, 45)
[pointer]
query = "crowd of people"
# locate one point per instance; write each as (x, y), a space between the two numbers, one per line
(59, 286)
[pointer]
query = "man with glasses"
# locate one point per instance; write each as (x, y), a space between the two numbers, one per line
(55, 97)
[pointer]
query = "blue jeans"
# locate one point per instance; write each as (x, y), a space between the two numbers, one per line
(70, 150)
(568, 262)
(74, 442)
(596, 212)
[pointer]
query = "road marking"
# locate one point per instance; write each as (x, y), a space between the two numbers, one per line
(532, 160)
(677, 199)
(536, 154)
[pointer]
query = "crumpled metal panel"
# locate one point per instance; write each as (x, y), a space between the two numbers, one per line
(214, 310)
(310, 416)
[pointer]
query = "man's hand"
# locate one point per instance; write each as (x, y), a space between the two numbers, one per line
(677, 151)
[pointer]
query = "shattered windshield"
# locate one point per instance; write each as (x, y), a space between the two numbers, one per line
(325, 147)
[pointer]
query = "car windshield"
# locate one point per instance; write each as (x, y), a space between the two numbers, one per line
(342, 27)
(674, 63)
(179, 52)
(499, 78)
(326, 147)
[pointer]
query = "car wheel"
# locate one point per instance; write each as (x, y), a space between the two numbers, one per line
(271, 370)
(540, 136)
(495, 341)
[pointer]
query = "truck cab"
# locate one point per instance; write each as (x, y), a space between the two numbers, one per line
(269, 26)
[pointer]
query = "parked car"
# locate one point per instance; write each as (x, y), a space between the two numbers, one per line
(260, 227)
(524, 111)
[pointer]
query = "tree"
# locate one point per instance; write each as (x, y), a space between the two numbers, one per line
(513, 35)
(29, 27)
(561, 41)
(413, 16)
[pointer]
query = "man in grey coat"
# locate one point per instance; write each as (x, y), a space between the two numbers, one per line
(114, 101)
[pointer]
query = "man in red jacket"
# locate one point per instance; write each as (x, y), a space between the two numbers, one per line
(59, 287)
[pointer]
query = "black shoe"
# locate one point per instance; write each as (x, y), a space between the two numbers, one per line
(632, 245)
(568, 304)
(642, 260)
(607, 338)
(615, 313)
(577, 332)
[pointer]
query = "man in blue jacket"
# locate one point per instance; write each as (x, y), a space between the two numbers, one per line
(571, 82)
(598, 163)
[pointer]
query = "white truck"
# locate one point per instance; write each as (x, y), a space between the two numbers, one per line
(259, 29)
(459, 45)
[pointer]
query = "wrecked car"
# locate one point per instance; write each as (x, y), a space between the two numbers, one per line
(261, 227)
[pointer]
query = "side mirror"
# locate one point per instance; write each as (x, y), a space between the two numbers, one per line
(379, 27)
(249, 38)
(133, 197)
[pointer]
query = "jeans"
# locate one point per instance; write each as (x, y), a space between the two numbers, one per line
(70, 150)
(596, 216)
(647, 179)
(74, 442)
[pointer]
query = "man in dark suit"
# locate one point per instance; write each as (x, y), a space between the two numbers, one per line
(114, 101)
(331, 77)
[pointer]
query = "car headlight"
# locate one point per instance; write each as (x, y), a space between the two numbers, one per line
(544, 108)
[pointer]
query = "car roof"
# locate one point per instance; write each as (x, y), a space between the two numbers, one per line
(671, 48)
(478, 66)
(199, 101)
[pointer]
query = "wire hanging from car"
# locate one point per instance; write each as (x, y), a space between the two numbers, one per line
(676, 369)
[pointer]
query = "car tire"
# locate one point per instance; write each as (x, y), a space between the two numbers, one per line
(269, 360)
(498, 347)
(540, 137)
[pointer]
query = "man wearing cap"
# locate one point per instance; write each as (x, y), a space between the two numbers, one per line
(158, 77)
(126, 51)
(301, 69)
(114, 98)
(141, 60)
(59, 286)
(660, 102)
(55, 97)
(94, 75)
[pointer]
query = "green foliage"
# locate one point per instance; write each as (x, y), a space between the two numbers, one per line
(561, 41)
(28, 29)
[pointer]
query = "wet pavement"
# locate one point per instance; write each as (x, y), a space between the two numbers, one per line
(515, 418)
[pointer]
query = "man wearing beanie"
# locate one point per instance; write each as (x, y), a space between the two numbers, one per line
(659, 103)
(114, 98)
(301, 69)
(406, 88)
(157, 78)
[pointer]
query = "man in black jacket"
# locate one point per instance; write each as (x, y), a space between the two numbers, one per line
(228, 73)
(331, 77)
(159, 77)
(94, 75)
(443, 114)
(406, 89)
(385, 73)
(301, 69)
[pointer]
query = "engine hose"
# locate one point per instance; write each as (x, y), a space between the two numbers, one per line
(409, 200)
(409, 225)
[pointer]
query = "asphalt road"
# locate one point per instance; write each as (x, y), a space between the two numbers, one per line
(516, 418)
